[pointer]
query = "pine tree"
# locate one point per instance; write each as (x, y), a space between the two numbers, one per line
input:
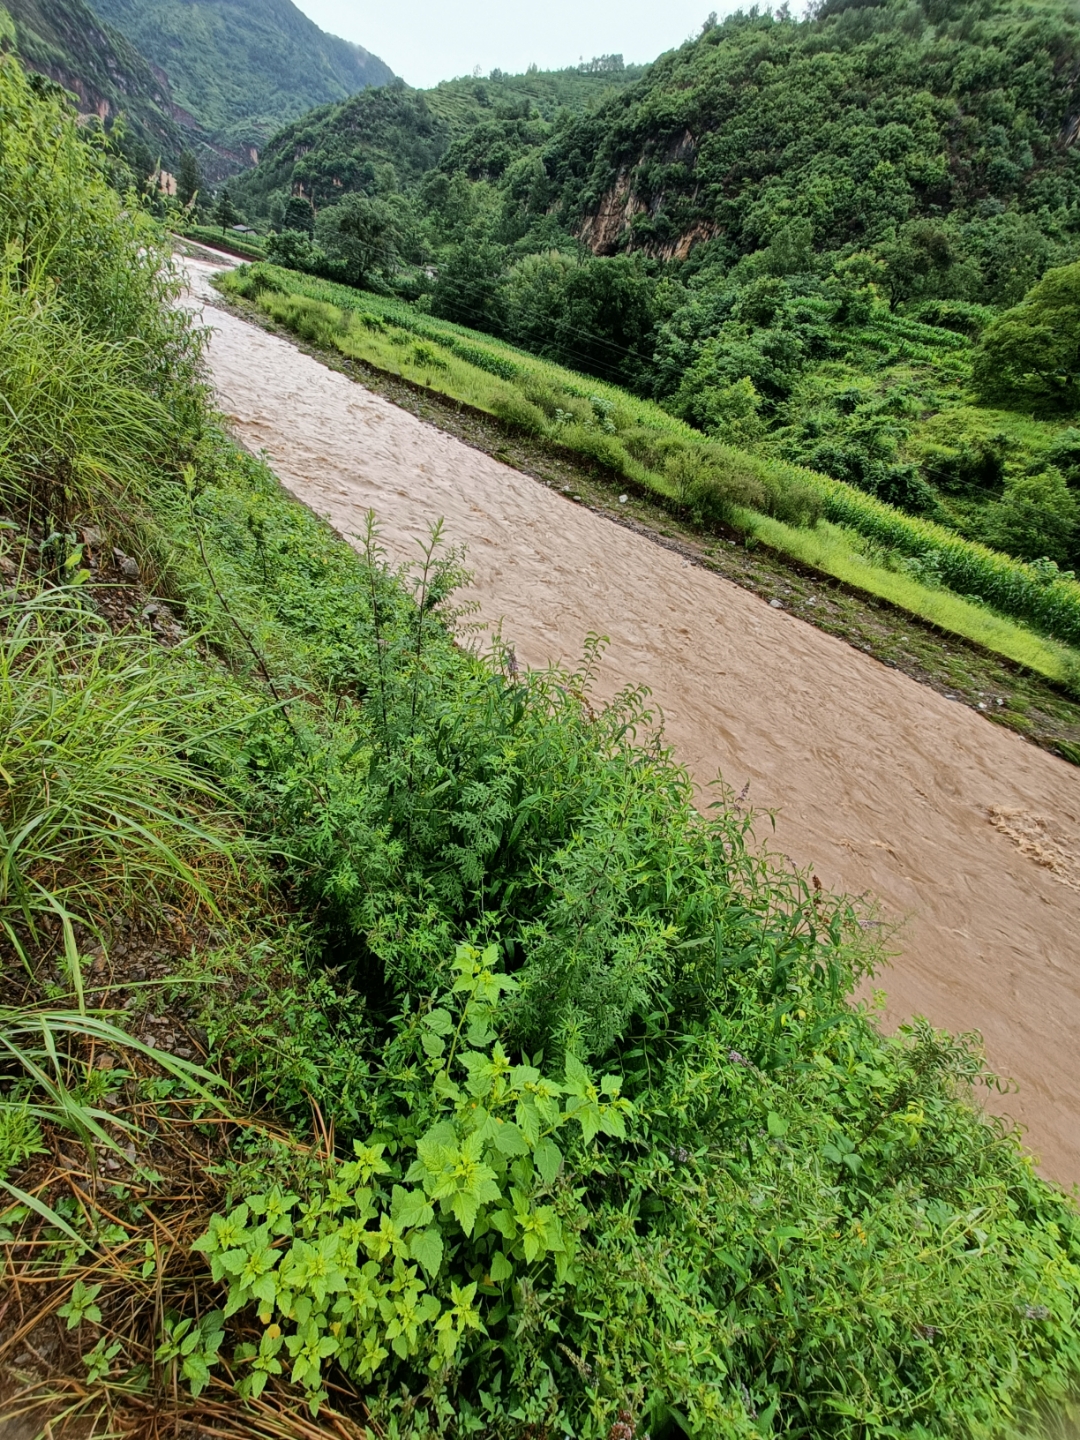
(225, 212)
(188, 181)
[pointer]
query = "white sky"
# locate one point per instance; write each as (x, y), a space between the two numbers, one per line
(425, 41)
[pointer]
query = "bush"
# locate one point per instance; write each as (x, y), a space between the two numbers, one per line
(792, 1189)
(1037, 516)
(709, 490)
(543, 394)
(1029, 357)
(516, 410)
(295, 250)
(593, 443)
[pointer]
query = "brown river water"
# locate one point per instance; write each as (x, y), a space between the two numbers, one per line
(960, 829)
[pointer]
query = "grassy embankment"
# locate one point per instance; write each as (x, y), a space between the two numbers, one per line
(993, 600)
(245, 247)
(528, 1101)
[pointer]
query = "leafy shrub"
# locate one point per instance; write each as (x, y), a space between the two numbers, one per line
(589, 440)
(544, 395)
(961, 316)
(295, 250)
(708, 490)
(650, 447)
(792, 499)
(425, 354)
(475, 1163)
(786, 1170)
(251, 281)
(1037, 516)
(516, 410)
(1029, 357)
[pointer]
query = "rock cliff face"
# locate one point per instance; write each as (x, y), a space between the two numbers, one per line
(610, 227)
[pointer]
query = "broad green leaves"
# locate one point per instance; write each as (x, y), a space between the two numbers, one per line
(383, 1262)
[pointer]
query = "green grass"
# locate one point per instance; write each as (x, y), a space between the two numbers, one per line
(99, 812)
(644, 444)
(829, 548)
(252, 249)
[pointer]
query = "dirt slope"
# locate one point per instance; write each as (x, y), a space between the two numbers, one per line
(962, 829)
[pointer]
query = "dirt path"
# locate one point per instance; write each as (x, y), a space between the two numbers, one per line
(964, 830)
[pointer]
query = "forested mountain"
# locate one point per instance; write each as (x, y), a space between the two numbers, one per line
(244, 67)
(66, 41)
(790, 232)
(344, 147)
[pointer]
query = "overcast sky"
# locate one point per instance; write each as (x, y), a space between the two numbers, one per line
(425, 41)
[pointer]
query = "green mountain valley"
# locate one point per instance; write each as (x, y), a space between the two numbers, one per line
(797, 236)
(244, 67)
(399, 1039)
(217, 79)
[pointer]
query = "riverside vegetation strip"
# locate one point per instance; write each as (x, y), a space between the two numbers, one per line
(600, 1147)
(1048, 715)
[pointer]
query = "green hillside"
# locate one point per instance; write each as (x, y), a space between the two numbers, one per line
(347, 147)
(791, 233)
(66, 41)
(244, 67)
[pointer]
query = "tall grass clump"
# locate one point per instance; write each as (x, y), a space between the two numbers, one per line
(99, 372)
(100, 809)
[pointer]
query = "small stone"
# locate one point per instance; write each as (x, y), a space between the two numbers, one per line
(623, 499)
(129, 568)
(777, 604)
(93, 537)
(981, 706)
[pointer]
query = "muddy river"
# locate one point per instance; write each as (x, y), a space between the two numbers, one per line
(961, 830)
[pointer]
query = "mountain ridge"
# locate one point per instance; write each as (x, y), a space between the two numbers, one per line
(245, 68)
(68, 43)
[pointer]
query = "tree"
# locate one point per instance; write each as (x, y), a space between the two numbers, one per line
(361, 235)
(467, 290)
(1037, 517)
(225, 212)
(1029, 357)
(188, 179)
(293, 250)
(299, 216)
